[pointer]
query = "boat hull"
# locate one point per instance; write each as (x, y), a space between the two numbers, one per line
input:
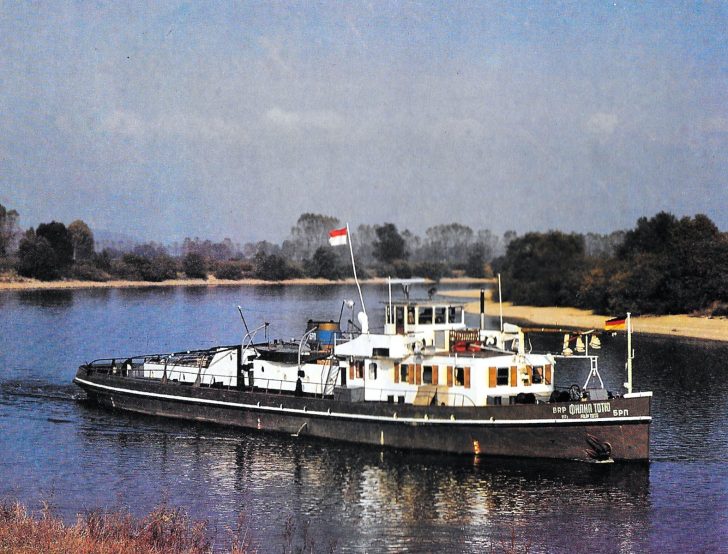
(613, 430)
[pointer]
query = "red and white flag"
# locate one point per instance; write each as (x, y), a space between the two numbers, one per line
(337, 237)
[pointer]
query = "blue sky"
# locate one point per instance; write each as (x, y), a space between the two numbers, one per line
(166, 120)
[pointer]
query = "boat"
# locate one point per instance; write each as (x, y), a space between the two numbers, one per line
(423, 381)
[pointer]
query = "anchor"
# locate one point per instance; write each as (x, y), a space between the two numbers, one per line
(301, 428)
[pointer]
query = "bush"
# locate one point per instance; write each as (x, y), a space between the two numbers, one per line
(430, 270)
(232, 269)
(89, 272)
(138, 268)
(194, 265)
(274, 268)
(324, 264)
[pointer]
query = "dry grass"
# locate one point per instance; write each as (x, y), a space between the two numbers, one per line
(164, 531)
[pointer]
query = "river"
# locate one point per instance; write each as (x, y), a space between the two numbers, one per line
(57, 449)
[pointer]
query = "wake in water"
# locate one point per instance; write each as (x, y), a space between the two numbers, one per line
(35, 388)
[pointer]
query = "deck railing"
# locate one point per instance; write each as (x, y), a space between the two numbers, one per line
(134, 368)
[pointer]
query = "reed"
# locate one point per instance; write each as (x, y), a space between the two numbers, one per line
(165, 530)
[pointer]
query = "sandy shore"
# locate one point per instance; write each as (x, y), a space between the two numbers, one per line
(671, 325)
(34, 284)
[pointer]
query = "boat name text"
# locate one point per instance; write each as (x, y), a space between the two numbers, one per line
(590, 410)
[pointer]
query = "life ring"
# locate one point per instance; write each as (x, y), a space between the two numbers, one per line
(460, 346)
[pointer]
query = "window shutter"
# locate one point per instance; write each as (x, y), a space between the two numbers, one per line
(548, 374)
(435, 370)
(411, 374)
(418, 374)
(449, 376)
(514, 376)
(396, 373)
(492, 377)
(351, 372)
(466, 378)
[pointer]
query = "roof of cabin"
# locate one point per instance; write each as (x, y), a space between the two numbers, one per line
(424, 302)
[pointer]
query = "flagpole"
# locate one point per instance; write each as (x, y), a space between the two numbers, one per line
(353, 265)
(629, 353)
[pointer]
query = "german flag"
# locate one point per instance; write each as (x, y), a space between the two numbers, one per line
(616, 324)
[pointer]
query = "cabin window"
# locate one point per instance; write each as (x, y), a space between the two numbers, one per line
(380, 352)
(459, 376)
(410, 315)
(403, 373)
(359, 369)
(372, 370)
(439, 315)
(425, 315)
(537, 375)
(502, 377)
(399, 314)
(455, 314)
(427, 375)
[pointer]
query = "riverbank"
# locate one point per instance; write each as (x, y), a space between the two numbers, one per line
(685, 326)
(23, 284)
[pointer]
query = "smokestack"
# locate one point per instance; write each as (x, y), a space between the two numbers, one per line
(482, 308)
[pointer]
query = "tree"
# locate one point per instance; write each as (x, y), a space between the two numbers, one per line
(195, 266)
(60, 240)
(273, 268)
(390, 245)
(325, 264)
(149, 250)
(475, 264)
(8, 230)
(449, 243)
(36, 258)
(310, 232)
(543, 269)
(82, 239)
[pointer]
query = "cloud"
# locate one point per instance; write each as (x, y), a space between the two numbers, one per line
(175, 125)
(124, 123)
(322, 120)
(601, 123)
(716, 124)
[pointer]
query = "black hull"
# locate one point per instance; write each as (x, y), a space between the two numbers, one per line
(617, 429)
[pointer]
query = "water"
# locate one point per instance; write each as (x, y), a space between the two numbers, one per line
(55, 448)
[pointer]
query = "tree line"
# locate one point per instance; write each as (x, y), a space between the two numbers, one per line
(663, 265)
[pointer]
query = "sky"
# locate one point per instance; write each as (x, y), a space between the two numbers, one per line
(163, 120)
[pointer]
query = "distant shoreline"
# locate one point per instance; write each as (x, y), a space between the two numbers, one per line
(682, 325)
(34, 284)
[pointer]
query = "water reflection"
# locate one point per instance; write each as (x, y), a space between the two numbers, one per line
(367, 499)
(196, 291)
(46, 298)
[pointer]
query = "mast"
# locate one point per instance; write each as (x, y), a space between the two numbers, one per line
(353, 265)
(629, 353)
